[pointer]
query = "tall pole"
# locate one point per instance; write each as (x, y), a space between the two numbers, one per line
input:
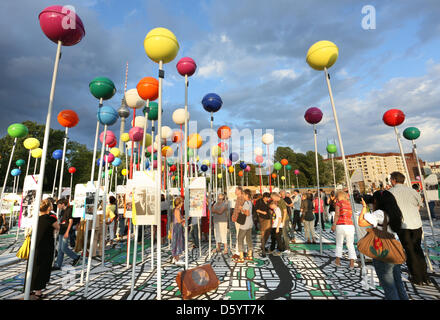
(145, 132)
(347, 178)
(210, 196)
(408, 177)
(185, 174)
(333, 169)
(71, 180)
(427, 206)
(158, 181)
(28, 164)
(62, 165)
(55, 179)
(7, 171)
(315, 133)
(95, 207)
(104, 207)
(270, 177)
(35, 216)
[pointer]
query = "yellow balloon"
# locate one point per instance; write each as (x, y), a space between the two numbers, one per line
(161, 44)
(220, 160)
(115, 152)
(231, 169)
(31, 143)
(167, 151)
(198, 158)
(323, 54)
(36, 153)
(216, 151)
(219, 176)
(206, 162)
(125, 137)
(195, 141)
(283, 178)
(124, 172)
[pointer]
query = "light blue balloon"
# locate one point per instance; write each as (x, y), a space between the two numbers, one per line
(15, 172)
(117, 162)
(107, 115)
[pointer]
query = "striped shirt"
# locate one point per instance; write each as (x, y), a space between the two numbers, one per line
(409, 201)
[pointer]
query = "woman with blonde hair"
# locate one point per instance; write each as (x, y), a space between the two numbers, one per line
(344, 228)
(44, 249)
(177, 241)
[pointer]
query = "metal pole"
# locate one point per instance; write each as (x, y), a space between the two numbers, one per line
(62, 166)
(95, 207)
(347, 178)
(35, 166)
(7, 171)
(134, 260)
(41, 179)
(158, 181)
(210, 197)
(315, 133)
(55, 178)
(71, 180)
(334, 174)
(427, 206)
(27, 166)
(104, 209)
(143, 141)
(408, 177)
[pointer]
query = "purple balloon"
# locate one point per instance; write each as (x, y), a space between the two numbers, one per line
(59, 23)
(313, 115)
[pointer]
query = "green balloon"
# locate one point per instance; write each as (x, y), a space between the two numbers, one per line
(110, 171)
(411, 133)
(18, 130)
(288, 167)
(20, 162)
(102, 87)
(277, 166)
(148, 139)
(154, 111)
(190, 152)
(331, 148)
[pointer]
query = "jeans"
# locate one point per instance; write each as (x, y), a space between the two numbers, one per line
(296, 223)
(265, 227)
(309, 230)
(345, 232)
(431, 205)
(121, 223)
(72, 236)
(63, 248)
(390, 279)
(415, 258)
(322, 220)
(286, 231)
(195, 234)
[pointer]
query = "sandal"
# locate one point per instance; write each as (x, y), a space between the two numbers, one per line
(249, 258)
(238, 260)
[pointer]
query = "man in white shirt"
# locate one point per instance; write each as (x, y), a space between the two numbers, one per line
(409, 202)
(296, 211)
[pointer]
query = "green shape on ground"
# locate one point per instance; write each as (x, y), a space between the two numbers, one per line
(328, 286)
(316, 286)
(250, 273)
(316, 293)
(435, 257)
(6, 236)
(298, 275)
(72, 293)
(259, 262)
(238, 295)
(305, 246)
(169, 288)
(379, 288)
(177, 293)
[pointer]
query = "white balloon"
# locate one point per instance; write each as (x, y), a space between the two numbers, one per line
(258, 151)
(139, 121)
(267, 138)
(166, 132)
(179, 116)
(133, 99)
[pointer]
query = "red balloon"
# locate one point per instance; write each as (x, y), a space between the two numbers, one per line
(224, 132)
(173, 168)
(72, 170)
(393, 117)
(284, 162)
(112, 144)
(274, 175)
(68, 118)
(240, 173)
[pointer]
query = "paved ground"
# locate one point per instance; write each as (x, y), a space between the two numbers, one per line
(304, 273)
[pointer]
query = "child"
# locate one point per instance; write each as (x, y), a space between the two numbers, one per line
(277, 228)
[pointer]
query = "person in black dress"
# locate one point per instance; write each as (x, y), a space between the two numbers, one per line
(44, 249)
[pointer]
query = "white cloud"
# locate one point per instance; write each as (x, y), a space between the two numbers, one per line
(212, 68)
(284, 74)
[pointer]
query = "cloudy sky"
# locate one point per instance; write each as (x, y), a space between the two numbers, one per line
(251, 53)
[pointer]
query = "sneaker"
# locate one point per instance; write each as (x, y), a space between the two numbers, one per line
(76, 260)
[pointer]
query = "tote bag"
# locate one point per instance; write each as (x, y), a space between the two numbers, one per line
(381, 245)
(23, 253)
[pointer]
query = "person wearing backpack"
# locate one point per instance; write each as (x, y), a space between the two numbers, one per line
(385, 212)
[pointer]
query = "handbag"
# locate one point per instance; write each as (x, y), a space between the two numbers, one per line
(381, 245)
(241, 219)
(23, 253)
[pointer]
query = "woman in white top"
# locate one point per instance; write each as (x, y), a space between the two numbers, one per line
(245, 231)
(390, 277)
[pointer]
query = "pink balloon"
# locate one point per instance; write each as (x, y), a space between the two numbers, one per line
(229, 163)
(186, 66)
(247, 169)
(259, 159)
(109, 158)
(136, 134)
(296, 172)
(109, 137)
(213, 165)
(61, 24)
(149, 149)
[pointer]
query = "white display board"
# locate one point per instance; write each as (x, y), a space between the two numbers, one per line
(197, 197)
(28, 201)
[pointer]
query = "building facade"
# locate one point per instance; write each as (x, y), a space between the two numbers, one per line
(377, 167)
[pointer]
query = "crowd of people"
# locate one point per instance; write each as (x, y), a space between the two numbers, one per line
(277, 218)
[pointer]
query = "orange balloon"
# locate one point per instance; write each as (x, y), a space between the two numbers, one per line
(274, 175)
(224, 132)
(240, 173)
(148, 88)
(195, 141)
(284, 162)
(177, 137)
(68, 118)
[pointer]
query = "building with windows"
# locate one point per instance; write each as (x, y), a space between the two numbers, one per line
(377, 167)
